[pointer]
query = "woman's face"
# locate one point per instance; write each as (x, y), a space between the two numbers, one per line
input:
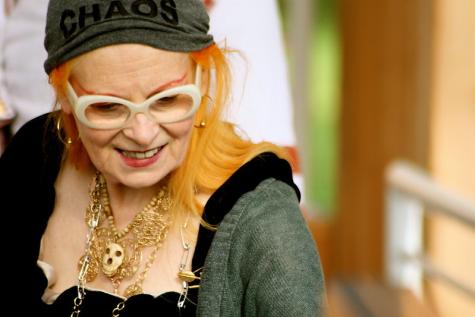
(143, 152)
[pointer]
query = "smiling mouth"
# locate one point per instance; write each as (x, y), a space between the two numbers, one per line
(141, 155)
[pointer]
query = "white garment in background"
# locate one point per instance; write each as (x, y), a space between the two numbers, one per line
(261, 99)
(25, 82)
(6, 112)
(261, 103)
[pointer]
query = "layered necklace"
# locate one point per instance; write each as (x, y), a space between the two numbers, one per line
(118, 253)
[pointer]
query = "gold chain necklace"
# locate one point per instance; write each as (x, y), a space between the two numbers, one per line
(118, 254)
(95, 210)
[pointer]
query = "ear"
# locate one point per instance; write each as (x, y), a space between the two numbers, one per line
(65, 106)
(64, 103)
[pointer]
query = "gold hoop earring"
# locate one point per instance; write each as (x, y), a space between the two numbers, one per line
(59, 130)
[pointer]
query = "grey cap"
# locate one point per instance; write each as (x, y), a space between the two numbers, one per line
(75, 27)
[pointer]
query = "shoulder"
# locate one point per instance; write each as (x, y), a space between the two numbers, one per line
(35, 125)
(245, 181)
(261, 194)
(267, 217)
(32, 159)
(29, 140)
(271, 201)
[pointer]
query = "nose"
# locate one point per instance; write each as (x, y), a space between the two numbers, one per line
(141, 129)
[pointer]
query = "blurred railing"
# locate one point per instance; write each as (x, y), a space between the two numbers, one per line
(410, 195)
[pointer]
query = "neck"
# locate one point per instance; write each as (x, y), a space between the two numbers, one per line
(125, 202)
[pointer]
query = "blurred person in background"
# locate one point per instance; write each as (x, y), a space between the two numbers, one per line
(24, 84)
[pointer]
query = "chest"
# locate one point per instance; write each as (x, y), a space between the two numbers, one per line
(63, 240)
(154, 268)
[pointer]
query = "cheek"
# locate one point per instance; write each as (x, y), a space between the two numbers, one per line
(180, 135)
(95, 141)
(180, 131)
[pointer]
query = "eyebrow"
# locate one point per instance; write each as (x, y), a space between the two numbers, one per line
(154, 91)
(168, 85)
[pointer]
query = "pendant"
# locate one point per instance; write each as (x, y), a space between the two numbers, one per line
(112, 259)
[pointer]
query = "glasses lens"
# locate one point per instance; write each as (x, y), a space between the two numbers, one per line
(107, 114)
(172, 108)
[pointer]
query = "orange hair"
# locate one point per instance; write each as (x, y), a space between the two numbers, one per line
(215, 152)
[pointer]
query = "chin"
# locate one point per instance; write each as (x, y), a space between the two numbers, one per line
(142, 181)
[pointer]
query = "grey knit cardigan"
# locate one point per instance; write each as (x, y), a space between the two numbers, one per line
(263, 261)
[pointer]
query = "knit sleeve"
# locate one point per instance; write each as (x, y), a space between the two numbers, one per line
(267, 264)
(280, 268)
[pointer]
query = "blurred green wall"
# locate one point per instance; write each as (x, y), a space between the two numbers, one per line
(324, 89)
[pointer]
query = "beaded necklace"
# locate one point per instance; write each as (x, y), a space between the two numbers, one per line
(118, 254)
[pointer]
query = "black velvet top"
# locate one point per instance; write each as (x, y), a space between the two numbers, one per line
(28, 170)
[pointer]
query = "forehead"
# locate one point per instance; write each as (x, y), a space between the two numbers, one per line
(129, 61)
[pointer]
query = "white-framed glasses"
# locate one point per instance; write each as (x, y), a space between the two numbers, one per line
(107, 112)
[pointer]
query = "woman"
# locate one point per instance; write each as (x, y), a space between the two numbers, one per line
(135, 199)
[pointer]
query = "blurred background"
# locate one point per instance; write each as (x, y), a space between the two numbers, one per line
(384, 99)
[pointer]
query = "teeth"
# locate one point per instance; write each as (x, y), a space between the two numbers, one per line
(141, 155)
